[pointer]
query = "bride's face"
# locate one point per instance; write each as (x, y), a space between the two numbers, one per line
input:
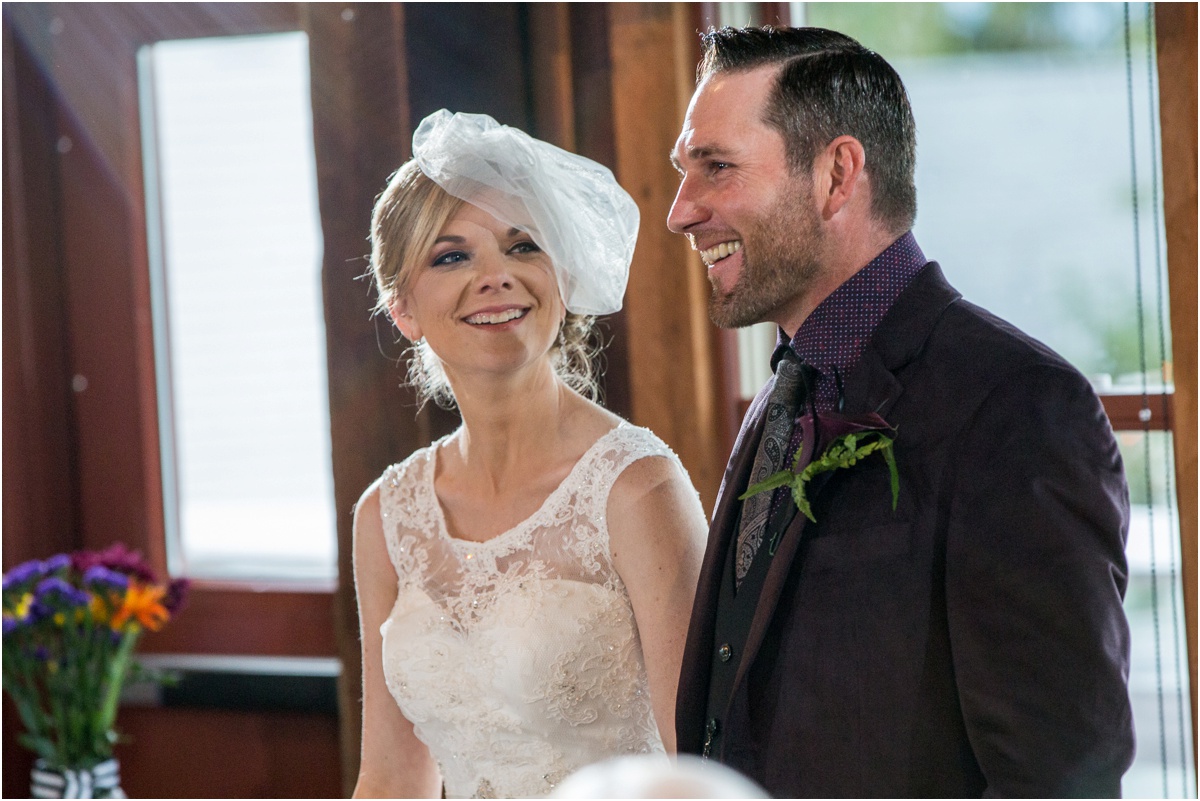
(485, 297)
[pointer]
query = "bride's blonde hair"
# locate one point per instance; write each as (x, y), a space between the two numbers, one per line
(404, 225)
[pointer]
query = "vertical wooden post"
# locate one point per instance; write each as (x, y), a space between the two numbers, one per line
(361, 133)
(1176, 27)
(551, 76)
(675, 382)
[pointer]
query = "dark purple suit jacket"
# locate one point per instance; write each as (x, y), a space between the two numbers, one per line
(973, 641)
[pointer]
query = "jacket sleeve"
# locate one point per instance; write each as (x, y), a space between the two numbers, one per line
(1035, 576)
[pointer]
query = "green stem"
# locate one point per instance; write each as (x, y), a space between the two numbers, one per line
(116, 677)
(22, 689)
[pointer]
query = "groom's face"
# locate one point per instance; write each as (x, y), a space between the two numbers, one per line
(754, 221)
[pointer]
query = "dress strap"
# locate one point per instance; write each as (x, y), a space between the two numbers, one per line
(406, 508)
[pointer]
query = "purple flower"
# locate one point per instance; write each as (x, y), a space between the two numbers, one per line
(11, 624)
(99, 574)
(26, 571)
(35, 569)
(51, 588)
(56, 563)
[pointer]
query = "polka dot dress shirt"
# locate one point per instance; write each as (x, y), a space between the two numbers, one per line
(834, 336)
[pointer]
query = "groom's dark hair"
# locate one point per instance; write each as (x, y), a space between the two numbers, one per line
(830, 85)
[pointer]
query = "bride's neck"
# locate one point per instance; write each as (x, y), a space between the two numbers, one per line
(513, 425)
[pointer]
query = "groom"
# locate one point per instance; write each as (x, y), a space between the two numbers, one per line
(964, 636)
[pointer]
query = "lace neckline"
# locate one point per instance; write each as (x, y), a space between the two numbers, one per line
(521, 528)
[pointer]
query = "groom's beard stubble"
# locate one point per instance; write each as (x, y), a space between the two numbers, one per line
(781, 257)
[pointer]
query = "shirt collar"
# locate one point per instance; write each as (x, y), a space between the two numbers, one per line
(834, 336)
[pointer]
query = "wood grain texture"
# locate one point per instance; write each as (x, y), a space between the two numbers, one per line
(215, 753)
(361, 134)
(675, 380)
(1175, 24)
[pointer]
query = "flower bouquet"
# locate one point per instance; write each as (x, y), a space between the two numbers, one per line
(71, 624)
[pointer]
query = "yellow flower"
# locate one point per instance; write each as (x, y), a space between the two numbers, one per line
(99, 608)
(143, 603)
(24, 606)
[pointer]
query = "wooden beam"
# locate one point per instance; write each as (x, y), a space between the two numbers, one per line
(1125, 412)
(361, 133)
(551, 75)
(39, 512)
(1175, 24)
(675, 382)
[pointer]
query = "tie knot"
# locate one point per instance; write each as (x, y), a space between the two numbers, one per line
(791, 373)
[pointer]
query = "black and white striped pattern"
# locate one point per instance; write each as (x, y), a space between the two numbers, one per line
(100, 781)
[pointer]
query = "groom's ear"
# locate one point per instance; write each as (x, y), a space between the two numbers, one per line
(398, 309)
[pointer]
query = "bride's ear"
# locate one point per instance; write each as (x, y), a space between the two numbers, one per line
(398, 309)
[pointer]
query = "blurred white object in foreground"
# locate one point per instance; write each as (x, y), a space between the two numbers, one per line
(651, 777)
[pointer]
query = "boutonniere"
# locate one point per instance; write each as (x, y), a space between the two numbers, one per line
(842, 442)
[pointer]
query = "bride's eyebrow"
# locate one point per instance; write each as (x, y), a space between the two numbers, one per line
(458, 240)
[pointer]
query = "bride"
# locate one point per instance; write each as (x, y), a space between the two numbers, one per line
(524, 584)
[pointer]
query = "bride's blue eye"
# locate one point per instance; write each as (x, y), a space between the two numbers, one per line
(449, 257)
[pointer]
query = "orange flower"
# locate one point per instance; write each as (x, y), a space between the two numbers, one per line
(142, 602)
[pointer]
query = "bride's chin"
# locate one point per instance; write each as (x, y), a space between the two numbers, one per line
(508, 370)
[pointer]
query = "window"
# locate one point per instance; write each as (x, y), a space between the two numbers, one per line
(235, 252)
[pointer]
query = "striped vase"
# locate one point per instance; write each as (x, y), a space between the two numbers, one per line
(99, 781)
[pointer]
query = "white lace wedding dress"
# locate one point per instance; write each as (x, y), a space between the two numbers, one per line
(517, 659)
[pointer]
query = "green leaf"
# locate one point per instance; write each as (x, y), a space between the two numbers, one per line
(41, 746)
(801, 500)
(890, 456)
(768, 483)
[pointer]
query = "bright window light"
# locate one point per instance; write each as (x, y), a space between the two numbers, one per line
(235, 248)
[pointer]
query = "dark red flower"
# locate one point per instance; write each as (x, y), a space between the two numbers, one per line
(115, 557)
(176, 596)
(817, 435)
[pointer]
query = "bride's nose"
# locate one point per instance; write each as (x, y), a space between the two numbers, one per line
(493, 273)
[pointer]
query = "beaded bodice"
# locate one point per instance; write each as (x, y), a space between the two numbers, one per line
(517, 659)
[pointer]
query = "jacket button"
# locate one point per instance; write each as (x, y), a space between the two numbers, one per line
(725, 652)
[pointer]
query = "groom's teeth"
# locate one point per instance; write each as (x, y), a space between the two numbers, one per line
(484, 318)
(718, 252)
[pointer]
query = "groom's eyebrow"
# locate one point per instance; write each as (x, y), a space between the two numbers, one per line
(695, 154)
